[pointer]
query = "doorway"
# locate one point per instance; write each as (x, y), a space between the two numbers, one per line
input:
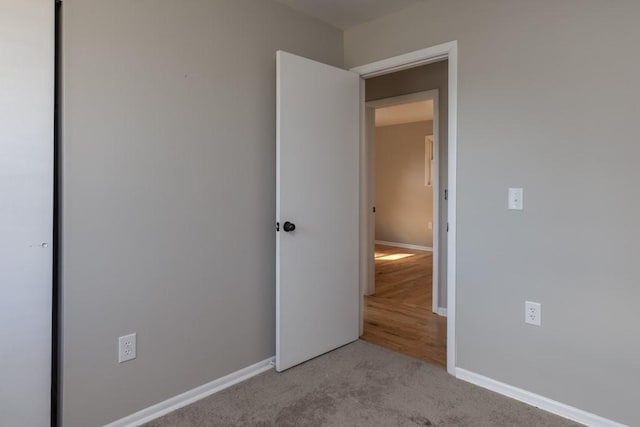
(388, 69)
(401, 308)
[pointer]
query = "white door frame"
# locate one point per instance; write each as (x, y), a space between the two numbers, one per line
(429, 55)
(371, 106)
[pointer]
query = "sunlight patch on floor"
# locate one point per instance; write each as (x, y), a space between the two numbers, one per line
(392, 257)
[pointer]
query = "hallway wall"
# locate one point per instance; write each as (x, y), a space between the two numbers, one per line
(404, 204)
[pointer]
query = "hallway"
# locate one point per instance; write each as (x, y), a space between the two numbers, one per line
(399, 315)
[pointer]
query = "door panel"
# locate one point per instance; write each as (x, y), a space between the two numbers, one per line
(26, 211)
(318, 129)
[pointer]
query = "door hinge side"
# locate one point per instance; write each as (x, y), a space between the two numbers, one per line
(446, 194)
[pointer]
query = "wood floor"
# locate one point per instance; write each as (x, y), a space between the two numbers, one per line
(399, 315)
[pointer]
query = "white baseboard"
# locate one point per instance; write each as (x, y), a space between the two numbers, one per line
(536, 400)
(188, 397)
(442, 312)
(405, 245)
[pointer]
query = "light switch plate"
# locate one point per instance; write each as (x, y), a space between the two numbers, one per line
(516, 196)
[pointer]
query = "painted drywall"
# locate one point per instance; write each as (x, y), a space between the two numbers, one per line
(169, 193)
(404, 113)
(418, 79)
(26, 210)
(404, 204)
(531, 75)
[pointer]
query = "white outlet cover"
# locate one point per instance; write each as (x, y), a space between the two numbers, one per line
(532, 313)
(516, 196)
(127, 347)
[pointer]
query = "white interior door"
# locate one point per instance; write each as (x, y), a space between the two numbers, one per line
(318, 125)
(26, 210)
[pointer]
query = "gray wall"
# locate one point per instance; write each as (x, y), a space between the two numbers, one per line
(404, 205)
(26, 210)
(531, 75)
(169, 193)
(418, 79)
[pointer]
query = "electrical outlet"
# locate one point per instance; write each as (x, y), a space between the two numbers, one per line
(127, 347)
(430, 225)
(516, 196)
(532, 313)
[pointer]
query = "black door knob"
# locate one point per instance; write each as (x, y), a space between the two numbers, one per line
(288, 226)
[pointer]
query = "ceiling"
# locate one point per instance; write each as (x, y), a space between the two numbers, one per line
(345, 14)
(404, 113)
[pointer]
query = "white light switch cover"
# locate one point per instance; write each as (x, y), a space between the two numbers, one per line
(516, 196)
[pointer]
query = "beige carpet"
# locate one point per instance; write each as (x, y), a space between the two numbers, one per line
(360, 384)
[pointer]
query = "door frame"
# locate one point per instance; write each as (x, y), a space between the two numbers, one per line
(448, 51)
(371, 106)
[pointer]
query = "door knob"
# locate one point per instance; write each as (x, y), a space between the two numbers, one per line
(288, 226)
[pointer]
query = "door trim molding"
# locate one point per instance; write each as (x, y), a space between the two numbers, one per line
(432, 54)
(408, 60)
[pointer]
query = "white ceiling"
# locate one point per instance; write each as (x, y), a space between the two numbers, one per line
(347, 13)
(404, 113)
